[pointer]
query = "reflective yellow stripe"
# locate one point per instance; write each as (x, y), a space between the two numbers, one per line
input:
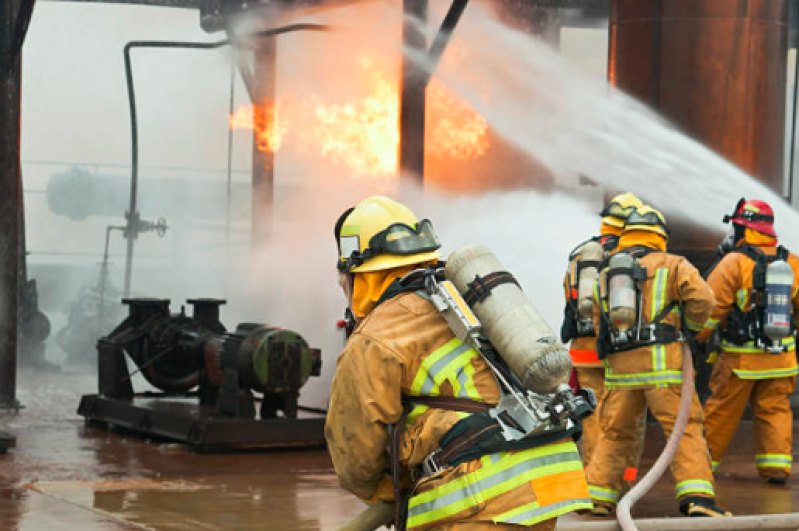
(789, 343)
(715, 465)
(693, 325)
(742, 298)
(603, 494)
(762, 375)
(532, 513)
(773, 461)
(658, 303)
(694, 486)
(711, 324)
(451, 362)
(490, 481)
(659, 292)
(439, 366)
(613, 381)
(658, 358)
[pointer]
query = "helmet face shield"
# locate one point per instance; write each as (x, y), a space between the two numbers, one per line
(617, 211)
(399, 239)
(648, 220)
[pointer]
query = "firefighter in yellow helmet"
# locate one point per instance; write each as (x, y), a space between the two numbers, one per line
(404, 379)
(643, 294)
(757, 309)
(579, 329)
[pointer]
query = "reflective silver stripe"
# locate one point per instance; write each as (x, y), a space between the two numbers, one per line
(463, 380)
(762, 375)
(473, 490)
(659, 292)
(694, 485)
(644, 378)
(437, 367)
(601, 494)
(522, 519)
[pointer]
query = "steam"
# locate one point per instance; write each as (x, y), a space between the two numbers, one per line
(554, 113)
(574, 122)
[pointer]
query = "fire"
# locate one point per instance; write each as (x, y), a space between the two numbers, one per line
(363, 134)
(266, 125)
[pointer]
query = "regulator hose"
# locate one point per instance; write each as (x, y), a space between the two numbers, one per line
(648, 481)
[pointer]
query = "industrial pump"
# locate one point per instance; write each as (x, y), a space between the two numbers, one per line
(178, 353)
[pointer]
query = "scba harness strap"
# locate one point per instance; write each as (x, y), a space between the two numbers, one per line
(745, 326)
(646, 334)
(574, 327)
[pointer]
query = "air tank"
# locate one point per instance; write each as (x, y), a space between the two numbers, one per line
(779, 284)
(621, 292)
(590, 256)
(511, 323)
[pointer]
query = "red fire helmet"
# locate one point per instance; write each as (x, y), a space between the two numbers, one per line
(755, 214)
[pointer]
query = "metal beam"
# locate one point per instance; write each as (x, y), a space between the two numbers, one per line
(263, 156)
(11, 185)
(413, 84)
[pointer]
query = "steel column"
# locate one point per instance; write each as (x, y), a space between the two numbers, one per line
(717, 69)
(413, 84)
(11, 185)
(263, 157)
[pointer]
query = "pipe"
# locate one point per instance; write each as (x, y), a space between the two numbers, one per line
(444, 34)
(648, 481)
(375, 517)
(133, 216)
(774, 522)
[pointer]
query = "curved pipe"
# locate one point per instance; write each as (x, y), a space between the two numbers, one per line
(133, 216)
(648, 481)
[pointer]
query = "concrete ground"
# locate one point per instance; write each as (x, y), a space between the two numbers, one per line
(64, 475)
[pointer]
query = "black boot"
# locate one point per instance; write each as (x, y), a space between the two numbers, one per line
(776, 481)
(701, 506)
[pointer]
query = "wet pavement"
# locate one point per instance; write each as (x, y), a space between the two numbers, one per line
(64, 475)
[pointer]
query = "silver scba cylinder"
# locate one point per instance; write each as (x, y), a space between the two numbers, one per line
(511, 323)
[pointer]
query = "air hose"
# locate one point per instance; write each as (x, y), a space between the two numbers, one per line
(648, 481)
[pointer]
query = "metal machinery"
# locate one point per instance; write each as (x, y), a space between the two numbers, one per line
(208, 378)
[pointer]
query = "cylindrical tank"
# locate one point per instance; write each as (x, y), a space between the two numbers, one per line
(511, 323)
(779, 284)
(717, 69)
(592, 252)
(621, 293)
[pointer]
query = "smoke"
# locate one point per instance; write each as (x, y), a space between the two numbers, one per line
(550, 111)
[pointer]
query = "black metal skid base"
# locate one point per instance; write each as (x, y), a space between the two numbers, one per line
(7, 441)
(184, 421)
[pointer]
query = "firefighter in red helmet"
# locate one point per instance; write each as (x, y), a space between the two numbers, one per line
(757, 305)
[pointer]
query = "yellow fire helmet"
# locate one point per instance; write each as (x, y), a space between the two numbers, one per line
(380, 233)
(647, 218)
(619, 208)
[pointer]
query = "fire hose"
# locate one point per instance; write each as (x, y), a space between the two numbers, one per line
(648, 481)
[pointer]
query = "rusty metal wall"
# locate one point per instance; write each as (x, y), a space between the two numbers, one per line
(717, 69)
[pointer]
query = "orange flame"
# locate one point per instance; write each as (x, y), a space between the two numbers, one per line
(363, 135)
(267, 125)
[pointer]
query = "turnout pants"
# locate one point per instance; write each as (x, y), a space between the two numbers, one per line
(773, 418)
(621, 432)
(594, 378)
